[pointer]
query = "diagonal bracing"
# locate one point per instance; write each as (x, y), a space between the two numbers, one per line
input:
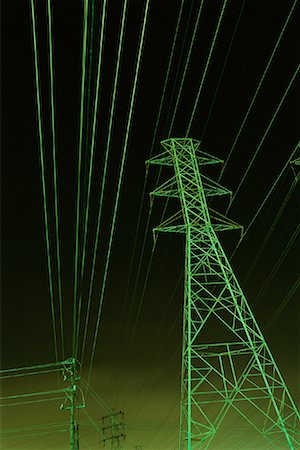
(236, 370)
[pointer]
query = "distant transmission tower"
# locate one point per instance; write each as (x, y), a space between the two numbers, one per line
(237, 369)
(112, 428)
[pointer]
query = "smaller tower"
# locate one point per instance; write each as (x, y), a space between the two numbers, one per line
(113, 430)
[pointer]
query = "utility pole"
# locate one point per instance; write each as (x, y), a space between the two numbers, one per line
(226, 362)
(114, 425)
(71, 375)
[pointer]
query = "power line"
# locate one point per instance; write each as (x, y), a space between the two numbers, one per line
(264, 135)
(120, 179)
(37, 366)
(83, 64)
(104, 175)
(266, 198)
(278, 263)
(101, 402)
(166, 80)
(186, 66)
(145, 283)
(206, 66)
(93, 140)
(50, 38)
(150, 154)
(42, 166)
(270, 231)
(179, 64)
(8, 431)
(42, 400)
(258, 87)
(223, 69)
(42, 433)
(32, 394)
(87, 203)
(31, 373)
(88, 102)
(158, 354)
(283, 304)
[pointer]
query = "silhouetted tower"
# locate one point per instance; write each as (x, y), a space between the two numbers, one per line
(112, 428)
(235, 368)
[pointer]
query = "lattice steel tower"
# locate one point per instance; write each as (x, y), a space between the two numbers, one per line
(237, 369)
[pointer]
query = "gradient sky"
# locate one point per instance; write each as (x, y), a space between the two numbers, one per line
(140, 374)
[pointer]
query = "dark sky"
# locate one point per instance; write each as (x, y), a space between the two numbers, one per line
(139, 373)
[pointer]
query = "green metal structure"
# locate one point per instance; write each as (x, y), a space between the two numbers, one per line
(71, 375)
(112, 428)
(226, 362)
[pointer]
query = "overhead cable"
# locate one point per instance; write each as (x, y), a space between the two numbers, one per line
(278, 263)
(223, 69)
(270, 60)
(150, 153)
(141, 301)
(107, 151)
(30, 402)
(283, 304)
(120, 180)
(186, 66)
(86, 201)
(206, 67)
(93, 141)
(40, 433)
(42, 166)
(264, 135)
(166, 78)
(83, 73)
(179, 64)
(266, 198)
(18, 375)
(32, 394)
(23, 429)
(270, 230)
(55, 179)
(37, 366)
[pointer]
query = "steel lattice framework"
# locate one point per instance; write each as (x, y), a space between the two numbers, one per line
(237, 370)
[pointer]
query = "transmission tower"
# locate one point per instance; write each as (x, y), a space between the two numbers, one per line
(113, 427)
(236, 370)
